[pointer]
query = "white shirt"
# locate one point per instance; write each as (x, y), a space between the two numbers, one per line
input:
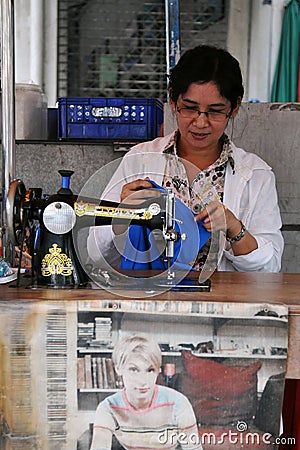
(250, 193)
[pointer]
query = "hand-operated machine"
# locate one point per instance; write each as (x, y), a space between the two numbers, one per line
(50, 225)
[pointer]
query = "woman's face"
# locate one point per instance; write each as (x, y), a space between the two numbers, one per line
(202, 133)
(139, 378)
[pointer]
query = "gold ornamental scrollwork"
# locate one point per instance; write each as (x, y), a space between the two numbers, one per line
(56, 263)
(91, 209)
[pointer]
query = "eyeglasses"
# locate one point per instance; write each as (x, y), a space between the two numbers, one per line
(193, 114)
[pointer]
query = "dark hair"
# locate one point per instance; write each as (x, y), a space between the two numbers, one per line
(203, 64)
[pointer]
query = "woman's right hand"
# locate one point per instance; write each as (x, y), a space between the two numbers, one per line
(132, 194)
(131, 188)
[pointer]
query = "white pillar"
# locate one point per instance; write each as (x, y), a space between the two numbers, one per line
(36, 45)
(29, 41)
(278, 7)
(50, 56)
(266, 22)
(238, 36)
(36, 41)
(22, 41)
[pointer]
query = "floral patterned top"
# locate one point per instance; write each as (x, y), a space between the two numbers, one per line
(207, 186)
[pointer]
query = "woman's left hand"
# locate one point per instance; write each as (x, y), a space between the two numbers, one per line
(216, 216)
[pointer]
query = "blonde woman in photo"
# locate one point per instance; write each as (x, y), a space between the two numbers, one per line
(144, 414)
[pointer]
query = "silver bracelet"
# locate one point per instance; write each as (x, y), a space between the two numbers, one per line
(239, 236)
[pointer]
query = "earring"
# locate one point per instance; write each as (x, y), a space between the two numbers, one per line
(119, 382)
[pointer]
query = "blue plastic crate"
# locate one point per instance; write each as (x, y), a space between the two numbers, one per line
(112, 119)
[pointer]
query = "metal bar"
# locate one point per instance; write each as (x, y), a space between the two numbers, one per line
(167, 37)
(174, 32)
(290, 227)
(7, 112)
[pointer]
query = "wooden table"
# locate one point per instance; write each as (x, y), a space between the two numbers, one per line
(281, 288)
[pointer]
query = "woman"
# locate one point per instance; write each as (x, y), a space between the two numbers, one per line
(144, 414)
(200, 162)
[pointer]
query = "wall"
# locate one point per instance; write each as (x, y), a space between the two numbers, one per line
(273, 131)
(37, 163)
